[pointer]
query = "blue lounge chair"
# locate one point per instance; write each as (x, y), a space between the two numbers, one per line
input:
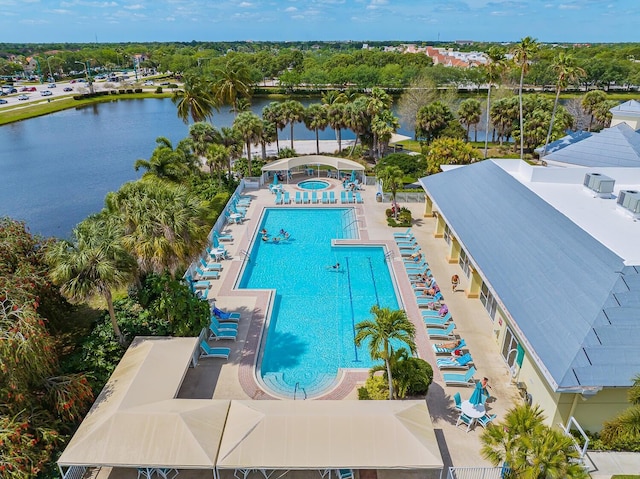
(406, 234)
(439, 333)
(224, 315)
(457, 399)
(343, 197)
(456, 379)
(278, 198)
(223, 326)
(298, 198)
(409, 251)
(485, 420)
(350, 197)
(332, 197)
(305, 197)
(224, 237)
(345, 474)
(440, 350)
(207, 274)
(217, 334)
(359, 197)
(194, 285)
(436, 321)
(461, 362)
(466, 420)
(287, 198)
(325, 197)
(207, 351)
(210, 266)
(314, 197)
(425, 300)
(405, 242)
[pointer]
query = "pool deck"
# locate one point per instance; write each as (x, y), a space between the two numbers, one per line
(235, 379)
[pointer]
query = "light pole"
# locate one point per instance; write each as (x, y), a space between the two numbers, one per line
(50, 73)
(86, 74)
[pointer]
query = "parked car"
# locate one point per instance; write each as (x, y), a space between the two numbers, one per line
(23, 97)
(46, 93)
(13, 90)
(148, 83)
(3, 101)
(51, 85)
(68, 88)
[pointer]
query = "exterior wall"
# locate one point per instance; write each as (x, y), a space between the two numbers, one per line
(632, 121)
(593, 411)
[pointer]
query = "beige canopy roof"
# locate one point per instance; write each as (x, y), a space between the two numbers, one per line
(322, 434)
(136, 420)
(289, 163)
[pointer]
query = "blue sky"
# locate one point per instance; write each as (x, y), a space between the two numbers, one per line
(218, 20)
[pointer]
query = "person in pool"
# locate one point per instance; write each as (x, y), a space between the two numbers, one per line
(263, 231)
(334, 266)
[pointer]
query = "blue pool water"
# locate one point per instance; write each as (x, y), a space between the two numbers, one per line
(313, 185)
(311, 331)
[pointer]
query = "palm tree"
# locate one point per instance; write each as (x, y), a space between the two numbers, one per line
(249, 125)
(268, 133)
(591, 102)
(392, 178)
(292, 112)
(274, 113)
(432, 119)
(194, 99)
(203, 135)
(383, 126)
(387, 326)
(217, 157)
(568, 72)
(165, 228)
(232, 140)
(165, 162)
(95, 263)
(529, 448)
(334, 102)
(493, 71)
(469, 114)
(522, 53)
(315, 118)
(233, 80)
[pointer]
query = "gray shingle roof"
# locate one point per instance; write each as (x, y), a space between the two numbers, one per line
(615, 146)
(576, 304)
(628, 108)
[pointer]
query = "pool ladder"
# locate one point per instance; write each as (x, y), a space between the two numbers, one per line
(245, 254)
(295, 391)
(388, 256)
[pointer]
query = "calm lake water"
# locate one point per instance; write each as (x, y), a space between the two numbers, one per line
(55, 170)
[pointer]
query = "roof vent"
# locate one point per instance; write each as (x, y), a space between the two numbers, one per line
(629, 201)
(599, 184)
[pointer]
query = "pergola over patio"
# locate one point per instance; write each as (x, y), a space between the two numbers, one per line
(137, 422)
(286, 164)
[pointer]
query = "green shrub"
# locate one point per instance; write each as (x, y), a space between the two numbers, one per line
(375, 388)
(159, 89)
(412, 377)
(138, 90)
(404, 218)
(411, 165)
(173, 86)
(287, 153)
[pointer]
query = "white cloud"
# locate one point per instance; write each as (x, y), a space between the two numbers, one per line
(566, 6)
(291, 9)
(245, 4)
(136, 6)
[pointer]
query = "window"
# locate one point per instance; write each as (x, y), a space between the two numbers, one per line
(511, 348)
(447, 234)
(463, 261)
(490, 303)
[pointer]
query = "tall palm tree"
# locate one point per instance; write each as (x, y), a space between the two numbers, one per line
(232, 140)
(522, 53)
(315, 119)
(529, 447)
(94, 263)
(249, 126)
(383, 126)
(195, 99)
(293, 112)
(469, 114)
(591, 102)
(217, 157)
(493, 71)
(334, 101)
(232, 80)
(567, 72)
(392, 178)
(165, 228)
(274, 113)
(387, 326)
(203, 135)
(268, 134)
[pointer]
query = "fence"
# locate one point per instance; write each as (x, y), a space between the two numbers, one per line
(74, 472)
(475, 473)
(402, 197)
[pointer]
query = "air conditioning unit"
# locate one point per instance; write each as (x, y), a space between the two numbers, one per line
(600, 184)
(629, 200)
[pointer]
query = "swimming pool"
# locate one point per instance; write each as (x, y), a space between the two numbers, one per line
(313, 185)
(310, 334)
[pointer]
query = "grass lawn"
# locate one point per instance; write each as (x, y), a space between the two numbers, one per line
(44, 107)
(625, 476)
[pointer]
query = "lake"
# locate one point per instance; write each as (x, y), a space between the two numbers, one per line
(57, 169)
